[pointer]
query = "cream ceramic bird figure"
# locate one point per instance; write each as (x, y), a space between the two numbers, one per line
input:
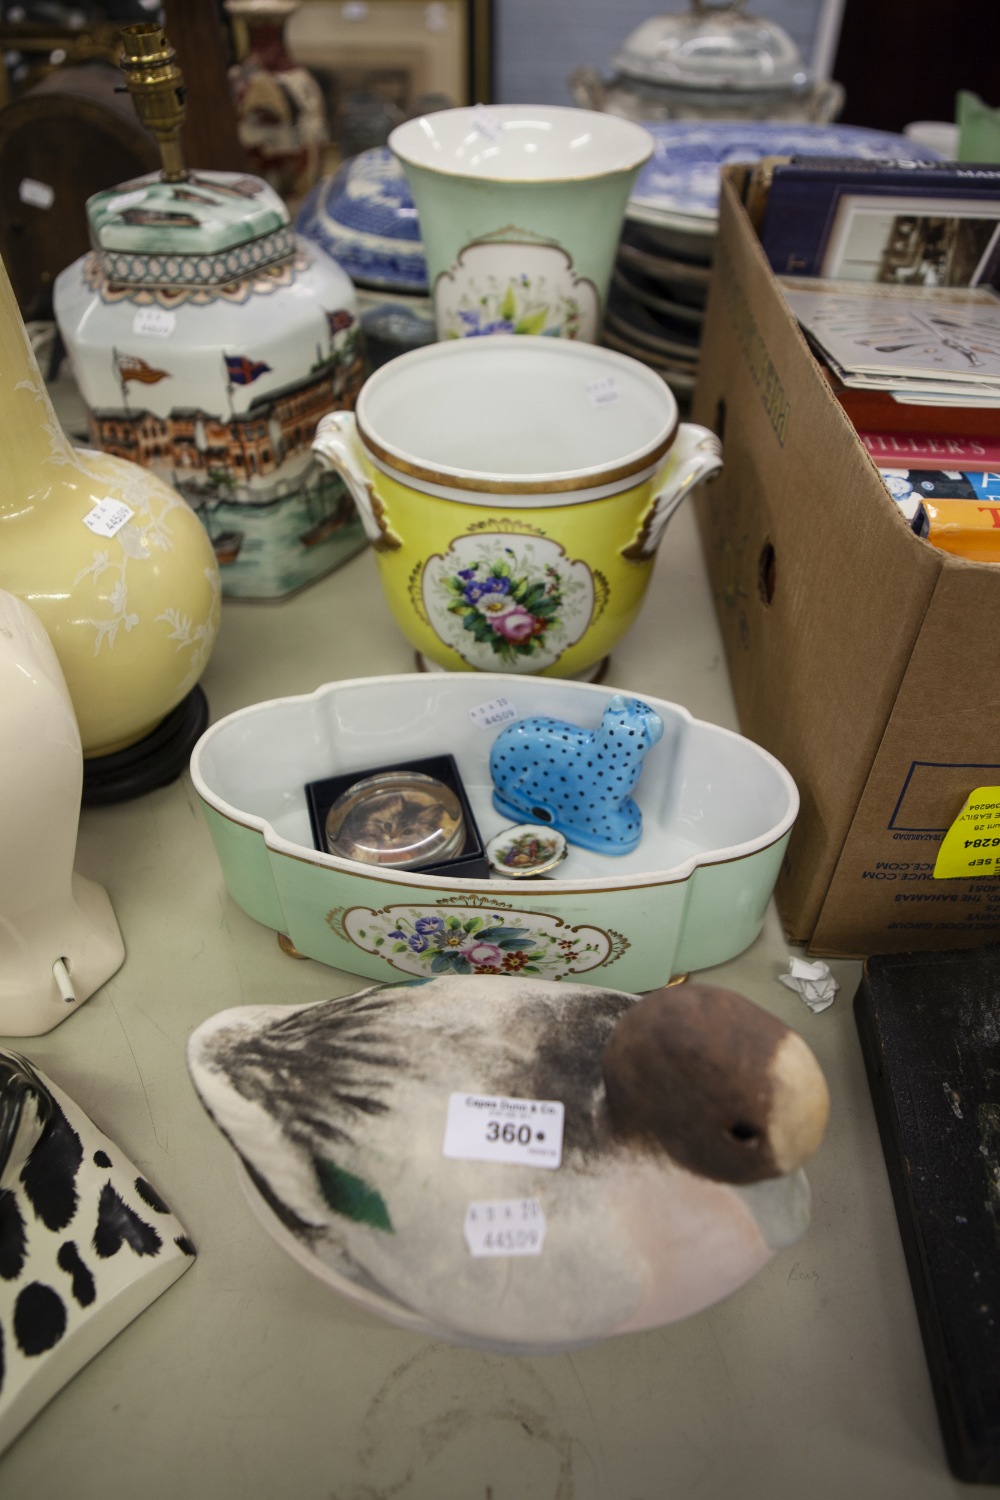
(687, 1116)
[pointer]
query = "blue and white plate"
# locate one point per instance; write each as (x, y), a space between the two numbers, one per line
(364, 217)
(678, 188)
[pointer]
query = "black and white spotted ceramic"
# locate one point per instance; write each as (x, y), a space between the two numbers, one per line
(86, 1243)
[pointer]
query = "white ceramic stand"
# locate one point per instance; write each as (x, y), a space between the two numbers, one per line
(59, 940)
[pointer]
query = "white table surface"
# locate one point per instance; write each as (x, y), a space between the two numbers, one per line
(250, 1379)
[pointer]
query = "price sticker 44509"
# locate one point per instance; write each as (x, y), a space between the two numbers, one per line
(505, 1226)
(485, 1127)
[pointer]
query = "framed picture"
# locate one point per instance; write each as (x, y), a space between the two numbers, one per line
(379, 61)
(913, 241)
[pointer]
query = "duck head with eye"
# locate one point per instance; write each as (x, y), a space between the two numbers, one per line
(688, 1114)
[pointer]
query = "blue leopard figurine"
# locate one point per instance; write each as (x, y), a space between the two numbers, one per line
(578, 780)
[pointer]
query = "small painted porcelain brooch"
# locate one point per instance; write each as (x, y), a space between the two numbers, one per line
(526, 851)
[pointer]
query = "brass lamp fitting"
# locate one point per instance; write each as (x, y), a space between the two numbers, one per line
(157, 87)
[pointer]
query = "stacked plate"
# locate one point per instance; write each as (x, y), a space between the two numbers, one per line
(664, 260)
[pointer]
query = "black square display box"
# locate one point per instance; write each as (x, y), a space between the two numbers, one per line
(470, 864)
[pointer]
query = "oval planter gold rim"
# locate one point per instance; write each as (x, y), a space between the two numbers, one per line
(413, 880)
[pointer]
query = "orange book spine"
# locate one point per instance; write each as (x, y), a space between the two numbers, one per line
(967, 528)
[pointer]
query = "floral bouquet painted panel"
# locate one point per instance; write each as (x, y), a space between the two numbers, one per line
(464, 939)
(509, 603)
(512, 286)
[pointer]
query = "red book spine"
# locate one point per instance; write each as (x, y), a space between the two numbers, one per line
(932, 450)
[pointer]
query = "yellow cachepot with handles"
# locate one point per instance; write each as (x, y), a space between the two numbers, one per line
(515, 490)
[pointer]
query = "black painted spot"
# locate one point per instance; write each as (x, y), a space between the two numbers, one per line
(70, 1261)
(149, 1195)
(118, 1225)
(183, 1243)
(13, 1241)
(39, 1318)
(102, 1159)
(49, 1174)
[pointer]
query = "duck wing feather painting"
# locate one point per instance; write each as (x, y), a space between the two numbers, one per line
(393, 1130)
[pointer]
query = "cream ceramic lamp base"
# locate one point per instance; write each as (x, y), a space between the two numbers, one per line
(59, 940)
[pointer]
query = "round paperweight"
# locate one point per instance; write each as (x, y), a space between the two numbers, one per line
(526, 850)
(399, 818)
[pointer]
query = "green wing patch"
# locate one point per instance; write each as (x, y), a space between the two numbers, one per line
(350, 1196)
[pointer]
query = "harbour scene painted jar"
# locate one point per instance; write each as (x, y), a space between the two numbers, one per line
(207, 340)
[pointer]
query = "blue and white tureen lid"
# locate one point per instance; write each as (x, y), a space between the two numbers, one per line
(365, 218)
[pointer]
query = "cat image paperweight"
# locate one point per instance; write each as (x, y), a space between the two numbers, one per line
(411, 816)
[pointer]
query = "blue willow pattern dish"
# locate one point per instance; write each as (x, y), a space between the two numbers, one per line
(682, 175)
(365, 218)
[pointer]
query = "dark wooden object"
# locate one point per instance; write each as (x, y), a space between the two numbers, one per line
(930, 1032)
(197, 34)
(77, 132)
(74, 134)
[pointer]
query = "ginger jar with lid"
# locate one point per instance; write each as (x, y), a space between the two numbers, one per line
(207, 340)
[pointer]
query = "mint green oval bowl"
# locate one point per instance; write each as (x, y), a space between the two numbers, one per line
(717, 814)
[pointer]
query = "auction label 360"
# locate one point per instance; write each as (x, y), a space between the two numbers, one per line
(484, 1127)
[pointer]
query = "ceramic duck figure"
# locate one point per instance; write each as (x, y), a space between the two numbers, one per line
(688, 1114)
(577, 780)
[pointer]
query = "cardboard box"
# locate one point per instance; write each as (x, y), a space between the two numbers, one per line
(866, 660)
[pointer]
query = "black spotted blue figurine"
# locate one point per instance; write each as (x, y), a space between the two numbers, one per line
(577, 780)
